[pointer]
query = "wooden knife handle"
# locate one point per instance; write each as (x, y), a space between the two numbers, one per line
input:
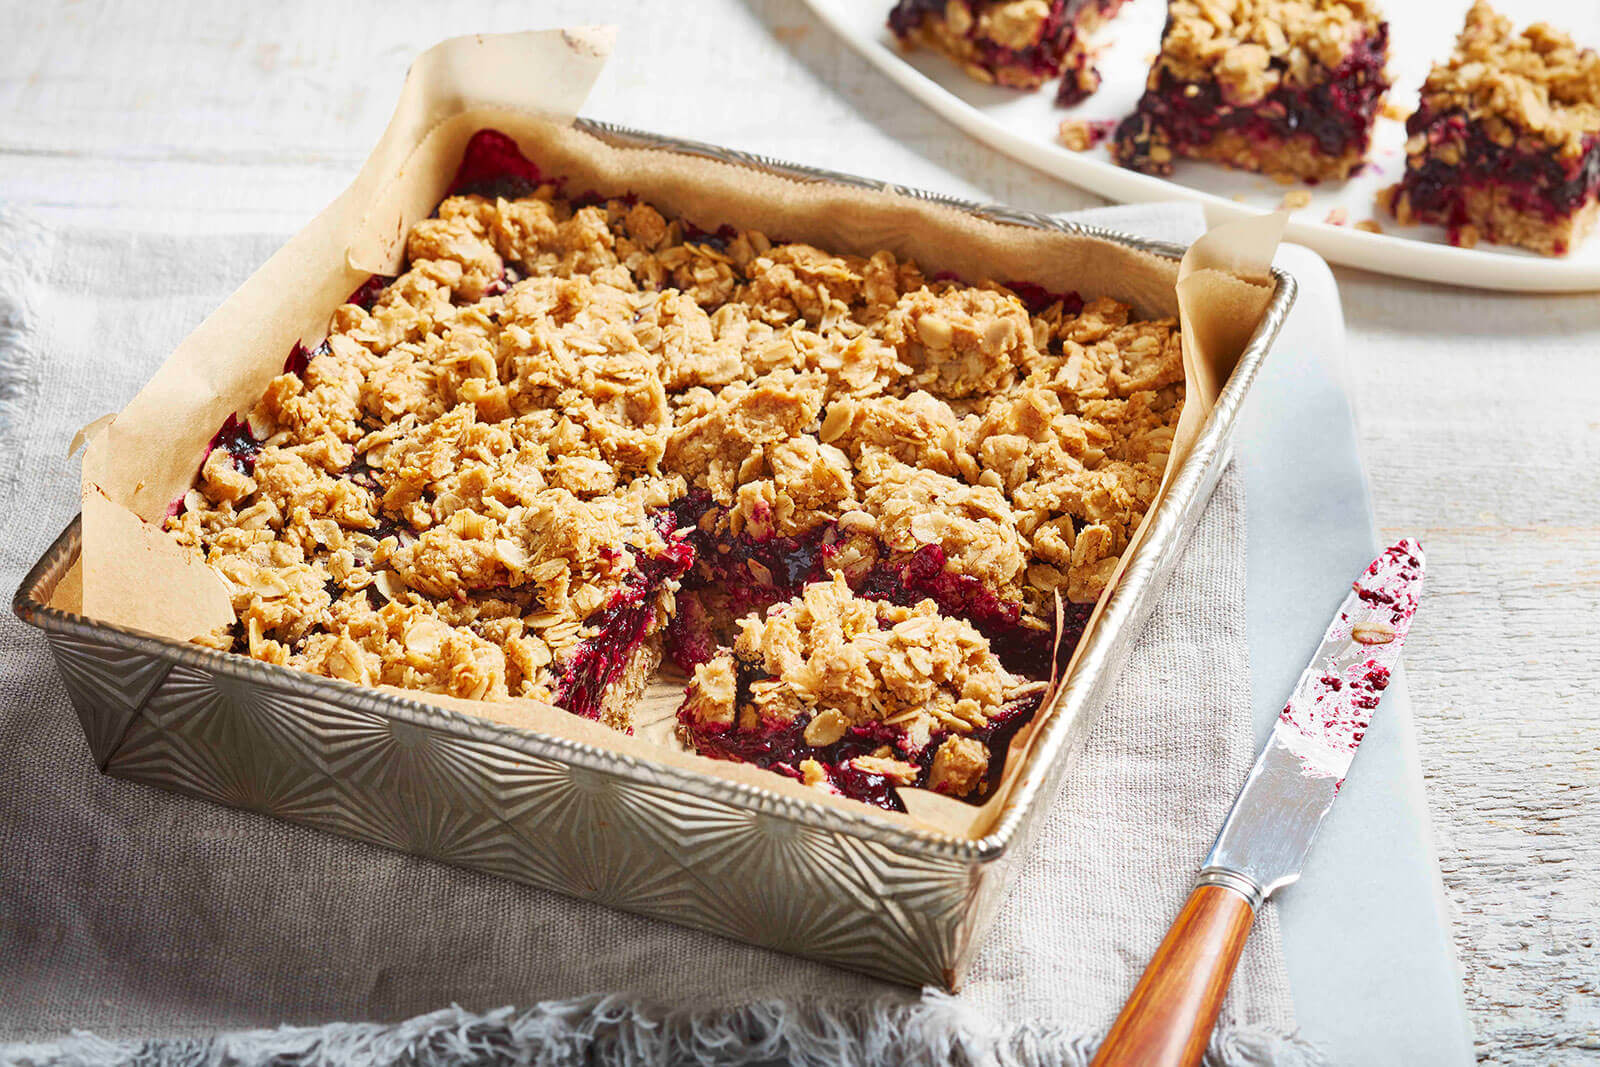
(1168, 1019)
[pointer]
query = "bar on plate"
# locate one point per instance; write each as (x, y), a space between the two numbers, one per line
(1020, 44)
(1505, 146)
(1289, 88)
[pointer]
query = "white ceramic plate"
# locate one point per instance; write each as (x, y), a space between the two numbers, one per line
(1023, 126)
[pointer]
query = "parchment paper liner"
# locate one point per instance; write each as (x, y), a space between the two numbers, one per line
(530, 86)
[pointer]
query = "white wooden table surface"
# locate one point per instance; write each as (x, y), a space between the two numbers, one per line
(1480, 414)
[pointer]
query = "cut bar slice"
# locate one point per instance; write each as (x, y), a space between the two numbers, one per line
(859, 697)
(1016, 43)
(1289, 88)
(1505, 146)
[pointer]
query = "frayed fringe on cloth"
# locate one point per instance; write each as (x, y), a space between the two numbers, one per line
(23, 244)
(614, 1030)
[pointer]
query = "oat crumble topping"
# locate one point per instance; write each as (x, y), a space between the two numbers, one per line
(1537, 81)
(1253, 46)
(517, 471)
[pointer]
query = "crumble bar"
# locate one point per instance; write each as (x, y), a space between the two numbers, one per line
(1505, 146)
(575, 435)
(1289, 88)
(856, 696)
(1020, 44)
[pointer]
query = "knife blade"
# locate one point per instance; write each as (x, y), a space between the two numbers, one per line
(1265, 838)
(1268, 833)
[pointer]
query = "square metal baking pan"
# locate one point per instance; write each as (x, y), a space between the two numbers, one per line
(846, 888)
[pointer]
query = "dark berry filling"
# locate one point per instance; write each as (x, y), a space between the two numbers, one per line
(691, 636)
(923, 576)
(783, 566)
(1545, 183)
(750, 573)
(1336, 113)
(241, 445)
(621, 626)
(1072, 91)
(1037, 299)
(1079, 77)
(366, 294)
(717, 239)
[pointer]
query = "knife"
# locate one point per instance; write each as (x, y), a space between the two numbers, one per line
(1265, 838)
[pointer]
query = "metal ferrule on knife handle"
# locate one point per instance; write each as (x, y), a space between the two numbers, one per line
(1263, 843)
(1242, 884)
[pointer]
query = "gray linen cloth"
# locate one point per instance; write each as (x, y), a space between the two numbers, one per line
(136, 914)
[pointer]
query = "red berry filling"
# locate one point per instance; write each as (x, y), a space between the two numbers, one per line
(1546, 184)
(621, 626)
(494, 166)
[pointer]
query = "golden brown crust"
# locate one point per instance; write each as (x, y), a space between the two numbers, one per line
(1494, 215)
(626, 689)
(1292, 157)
